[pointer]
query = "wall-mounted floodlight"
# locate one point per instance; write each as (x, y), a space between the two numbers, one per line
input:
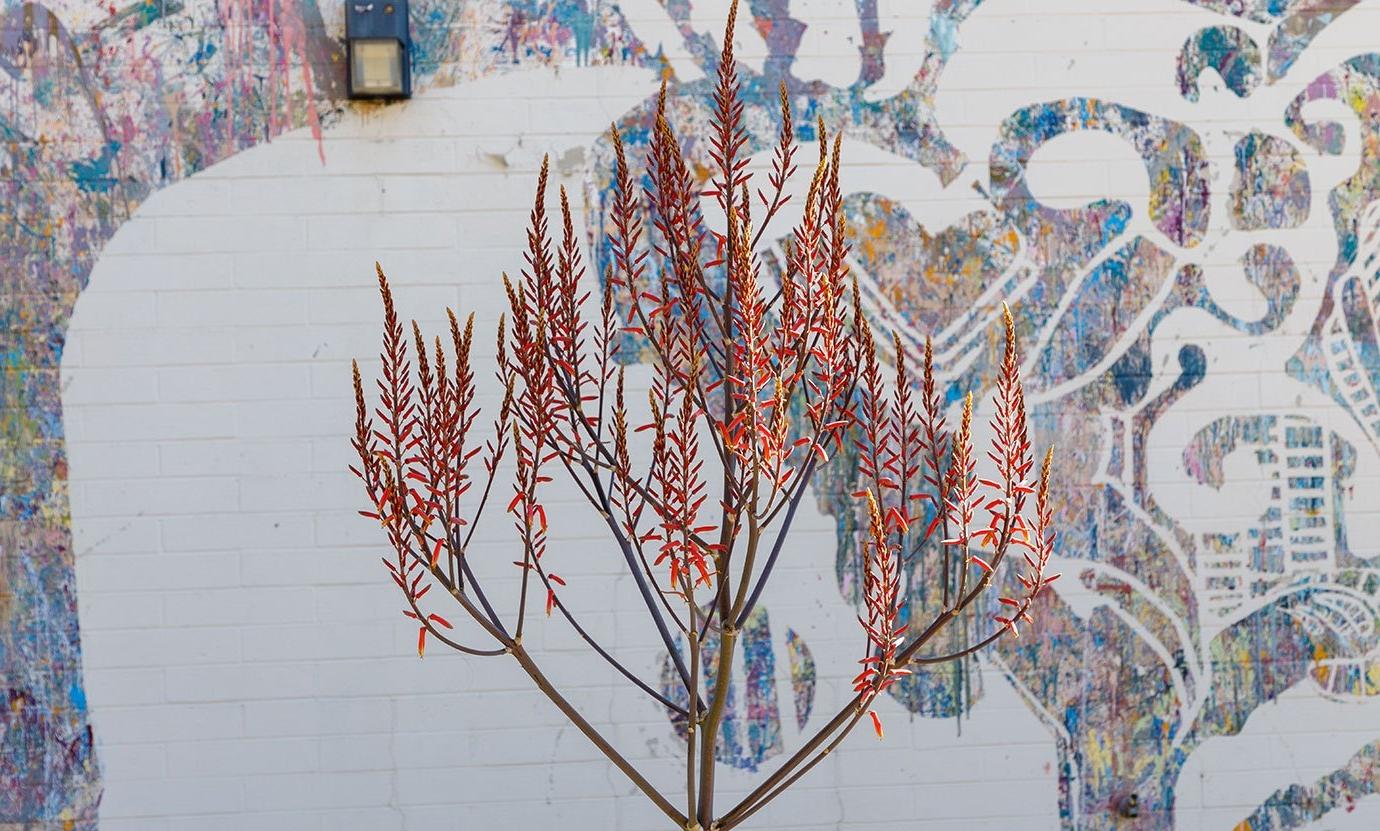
(377, 34)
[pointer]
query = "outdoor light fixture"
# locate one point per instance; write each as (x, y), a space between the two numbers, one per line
(377, 34)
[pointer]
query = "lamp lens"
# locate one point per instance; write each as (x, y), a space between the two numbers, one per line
(376, 66)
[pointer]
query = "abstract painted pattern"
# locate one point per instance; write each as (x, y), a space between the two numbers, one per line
(1188, 620)
(103, 104)
(1301, 804)
(751, 729)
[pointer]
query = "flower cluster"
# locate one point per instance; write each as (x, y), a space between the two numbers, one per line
(758, 377)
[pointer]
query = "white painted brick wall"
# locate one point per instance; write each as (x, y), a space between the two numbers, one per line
(247, 666)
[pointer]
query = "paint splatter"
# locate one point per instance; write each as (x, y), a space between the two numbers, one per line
(802, 677)
(1228, 51)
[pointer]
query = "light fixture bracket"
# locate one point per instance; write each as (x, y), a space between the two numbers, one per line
(379, 46)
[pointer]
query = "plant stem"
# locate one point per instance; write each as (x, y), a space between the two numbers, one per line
(728, 642)
(740, 817)
(529, 666)
(848, 711)
(692, 722)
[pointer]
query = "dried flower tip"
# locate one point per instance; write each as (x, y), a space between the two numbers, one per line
(1010, 326)
(727, 54)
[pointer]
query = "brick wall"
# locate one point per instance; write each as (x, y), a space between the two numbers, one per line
(245, 662)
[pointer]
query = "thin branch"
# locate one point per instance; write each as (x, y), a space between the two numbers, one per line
(619, 761)
(560, 606)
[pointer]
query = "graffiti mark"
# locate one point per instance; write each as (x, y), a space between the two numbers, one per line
(751, 729)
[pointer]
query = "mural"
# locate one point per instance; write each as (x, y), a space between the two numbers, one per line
(1216, 520)
(104, 103)
(1213, 515)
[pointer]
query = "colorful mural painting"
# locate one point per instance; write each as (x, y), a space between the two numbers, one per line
(1190, 619)
(103, 105)
(1138, 335)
